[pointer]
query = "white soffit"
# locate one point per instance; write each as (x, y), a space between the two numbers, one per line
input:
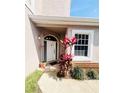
(63, 21)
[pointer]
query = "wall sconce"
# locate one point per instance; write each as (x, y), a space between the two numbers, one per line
(39, 37)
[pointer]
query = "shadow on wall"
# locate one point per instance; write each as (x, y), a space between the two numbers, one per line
(36, 33)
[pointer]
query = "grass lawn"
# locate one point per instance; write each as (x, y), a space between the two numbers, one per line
(31, 85)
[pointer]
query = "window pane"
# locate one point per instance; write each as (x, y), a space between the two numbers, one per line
(79, 36)
(86, 41)
(82, 41)
(83, 36)
(81, 52)
(81, 47)
(87, 37)
(85, 54)
(79, 41)
(86, 47)
(75, 52)
(76, 47)
(78, 53)
(76, 35)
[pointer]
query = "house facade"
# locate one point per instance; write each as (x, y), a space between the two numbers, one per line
(48, 22)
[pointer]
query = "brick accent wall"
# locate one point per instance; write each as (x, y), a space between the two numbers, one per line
(86, 65)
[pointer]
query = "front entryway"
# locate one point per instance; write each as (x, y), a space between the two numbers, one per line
(50, 48)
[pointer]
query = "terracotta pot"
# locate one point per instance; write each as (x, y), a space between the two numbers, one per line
(42, 65)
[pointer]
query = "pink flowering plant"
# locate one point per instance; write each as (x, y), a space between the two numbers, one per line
(68, 42)
(65, 59)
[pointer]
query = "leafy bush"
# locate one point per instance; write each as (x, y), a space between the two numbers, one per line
(77, 73)
(31, 85)
(92, 74)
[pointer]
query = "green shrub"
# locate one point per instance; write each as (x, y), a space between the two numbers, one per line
(77, 73)
(31, 85)
(92, 74)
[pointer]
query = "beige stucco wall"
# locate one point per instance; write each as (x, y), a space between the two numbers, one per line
(54, 7)
(95, 49)
(50, 7)
(38, 7)
(62, 49)
(96, 46)
(32, 55)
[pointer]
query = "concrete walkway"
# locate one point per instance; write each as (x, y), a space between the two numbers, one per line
(49, 83)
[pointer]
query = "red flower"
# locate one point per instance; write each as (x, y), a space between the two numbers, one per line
(67, 56)
(66, 40)
(73, 40)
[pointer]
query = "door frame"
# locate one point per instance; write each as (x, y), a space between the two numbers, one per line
(57, 46)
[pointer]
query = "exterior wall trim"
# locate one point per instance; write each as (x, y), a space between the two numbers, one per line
(63, 21)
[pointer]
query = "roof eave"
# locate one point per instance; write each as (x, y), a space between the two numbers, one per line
(63, 21)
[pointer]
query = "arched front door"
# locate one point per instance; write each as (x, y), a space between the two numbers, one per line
(50, 48)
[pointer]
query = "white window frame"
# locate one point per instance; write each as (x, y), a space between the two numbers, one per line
(90, 45)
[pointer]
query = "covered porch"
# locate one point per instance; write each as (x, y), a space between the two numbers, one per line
(53, 29)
